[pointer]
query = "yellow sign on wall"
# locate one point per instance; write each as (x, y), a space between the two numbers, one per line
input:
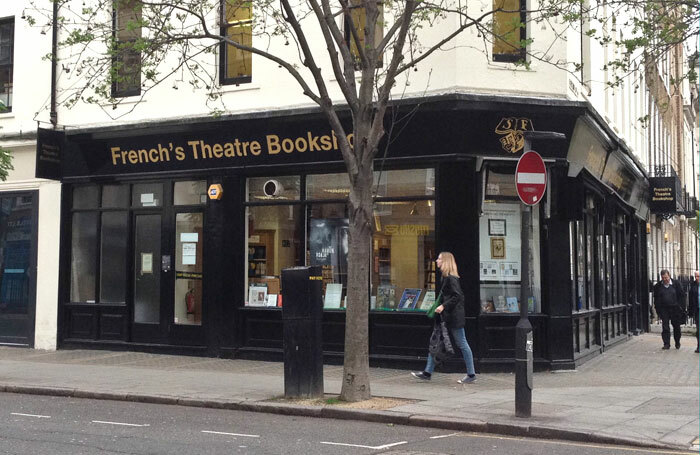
(215, 191)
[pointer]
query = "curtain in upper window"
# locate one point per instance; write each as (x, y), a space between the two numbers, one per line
(126, 64)
(358, 14)
(508, 30)
(237, 20)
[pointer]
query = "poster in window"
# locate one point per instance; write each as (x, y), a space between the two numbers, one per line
(328, 245)
(497, 227)
(498, 248)
(499, 255)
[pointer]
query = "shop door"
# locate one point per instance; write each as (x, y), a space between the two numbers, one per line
(17, 268)
(185, 310)
(151, 268)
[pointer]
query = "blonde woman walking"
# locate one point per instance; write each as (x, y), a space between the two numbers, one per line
(451, 309)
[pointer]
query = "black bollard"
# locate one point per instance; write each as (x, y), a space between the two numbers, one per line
(302, 312)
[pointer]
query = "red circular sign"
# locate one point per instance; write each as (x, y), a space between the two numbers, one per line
(531, 178)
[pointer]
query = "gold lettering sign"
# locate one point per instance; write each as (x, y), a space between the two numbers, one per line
(407, 229)
(512, 130)
(200, 149)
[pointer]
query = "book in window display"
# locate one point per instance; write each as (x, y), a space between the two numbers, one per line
(487, 306)
(428, 300)
(386, 297)
(499, 303)
(409, 298)
(512, 305)
(257, 295)
(334, 292)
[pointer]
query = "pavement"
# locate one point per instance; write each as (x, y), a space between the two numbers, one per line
(634, 394)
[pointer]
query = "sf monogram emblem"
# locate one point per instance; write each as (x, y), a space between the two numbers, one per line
(512, 130)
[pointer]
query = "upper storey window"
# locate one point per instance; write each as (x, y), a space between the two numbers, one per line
(126, 65)
(7, 41)
(358, 15)
(509, 30)
(237, 64)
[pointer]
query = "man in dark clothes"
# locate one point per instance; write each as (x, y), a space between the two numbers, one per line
(693, 303)
(669, 300)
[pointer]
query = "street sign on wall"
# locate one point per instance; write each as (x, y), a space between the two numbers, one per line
(530, 178)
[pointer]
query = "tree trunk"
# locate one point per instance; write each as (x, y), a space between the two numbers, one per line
(356, 365)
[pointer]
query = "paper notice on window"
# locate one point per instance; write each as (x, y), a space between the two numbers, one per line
(146, 263)
(189, 253)
(148, 200)
(189, 237)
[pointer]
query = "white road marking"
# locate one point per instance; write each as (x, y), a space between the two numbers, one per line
(443, 436)
(122, 423)
(30, 415)
(385, 446)
(232, 434)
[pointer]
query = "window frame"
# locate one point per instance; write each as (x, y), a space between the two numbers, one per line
(519, 54)
(135, 89)
(10, 65)
(224, 79)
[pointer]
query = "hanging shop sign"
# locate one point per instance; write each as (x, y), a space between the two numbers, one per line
(664, 196)
(49, 147)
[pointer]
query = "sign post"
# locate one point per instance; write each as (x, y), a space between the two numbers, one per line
(531, 183)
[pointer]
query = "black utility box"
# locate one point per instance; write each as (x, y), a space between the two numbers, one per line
(302, 311)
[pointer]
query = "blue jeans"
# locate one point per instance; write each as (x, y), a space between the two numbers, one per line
(460, 339)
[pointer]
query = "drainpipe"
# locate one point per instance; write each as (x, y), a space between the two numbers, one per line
(53, 115)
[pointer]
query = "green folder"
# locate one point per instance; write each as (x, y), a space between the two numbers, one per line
(431, 311)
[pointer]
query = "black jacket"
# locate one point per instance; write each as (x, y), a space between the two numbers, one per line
(680, 295)
(453, 301)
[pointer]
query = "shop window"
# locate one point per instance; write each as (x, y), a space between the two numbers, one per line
(500, 246)
(509, 30)
(282, 233)
(100, 224)
(7, 45)
(278, 189)
(274, 241)
(126, 65)
(116, 196)
(237, 20)
(86, 197)
(189, 259)
(328, 186)
(578, 265)
(358, 15)
(113, 248)
(404, 273)
(83, 257)
(190, 192)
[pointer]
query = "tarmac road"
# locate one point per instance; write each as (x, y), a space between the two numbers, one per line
(75, 426)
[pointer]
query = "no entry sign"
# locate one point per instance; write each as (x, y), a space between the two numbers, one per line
(531, 178)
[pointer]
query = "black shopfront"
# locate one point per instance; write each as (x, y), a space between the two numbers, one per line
(152, 259)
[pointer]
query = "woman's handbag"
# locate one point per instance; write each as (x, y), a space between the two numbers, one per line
(440, 346)
(431, 311)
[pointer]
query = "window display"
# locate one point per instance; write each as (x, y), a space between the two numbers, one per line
(500, 247)
(284, 230)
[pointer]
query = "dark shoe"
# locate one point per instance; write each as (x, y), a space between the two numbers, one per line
(467, 379)
(678, 344)
(666, 346)
(422, 375)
